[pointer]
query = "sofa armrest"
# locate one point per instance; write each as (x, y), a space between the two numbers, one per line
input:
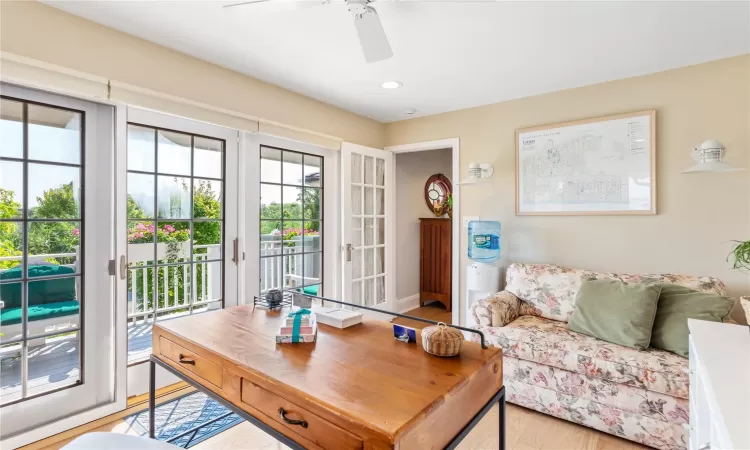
(496, 311)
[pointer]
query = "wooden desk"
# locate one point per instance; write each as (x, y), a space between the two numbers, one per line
(356, 388)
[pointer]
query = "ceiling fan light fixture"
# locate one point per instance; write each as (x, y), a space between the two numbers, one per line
(392, 85)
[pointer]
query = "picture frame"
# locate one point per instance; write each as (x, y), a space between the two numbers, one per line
(597, 166)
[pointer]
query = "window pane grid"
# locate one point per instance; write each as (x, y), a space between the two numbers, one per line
(179, 216)
(291, 220)
(57, 136)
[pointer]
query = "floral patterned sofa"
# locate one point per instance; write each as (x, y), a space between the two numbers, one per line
(638, 395)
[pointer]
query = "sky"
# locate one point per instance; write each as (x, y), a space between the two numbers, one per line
(45, 143)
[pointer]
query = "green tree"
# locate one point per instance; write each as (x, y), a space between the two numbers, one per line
(55, 237)
(206, 206)
(56, 203)
(10, 237)
(134, 211)
(310, 198)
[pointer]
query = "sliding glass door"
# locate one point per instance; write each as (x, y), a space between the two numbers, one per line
(57, 330)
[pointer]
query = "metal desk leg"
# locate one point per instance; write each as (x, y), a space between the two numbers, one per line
(152, 399)
(501, 425)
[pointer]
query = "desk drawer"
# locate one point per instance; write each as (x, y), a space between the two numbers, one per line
(191, 361)
(317, 429)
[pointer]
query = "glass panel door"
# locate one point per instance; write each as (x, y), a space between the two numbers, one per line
(181, 194)
(366, 227)
(175, 183)
(57, 334)
(291, 221)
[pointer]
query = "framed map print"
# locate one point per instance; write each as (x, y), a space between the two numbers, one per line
(601, 166)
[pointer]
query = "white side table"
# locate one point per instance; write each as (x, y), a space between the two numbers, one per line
(719, 385)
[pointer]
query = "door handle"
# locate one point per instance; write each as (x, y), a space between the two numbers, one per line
(184, 360)
(236, 251)
(123, 268)
(348, 252)
(282, 413)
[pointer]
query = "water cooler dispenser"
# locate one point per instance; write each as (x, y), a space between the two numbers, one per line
(482, 281)
(482, 278)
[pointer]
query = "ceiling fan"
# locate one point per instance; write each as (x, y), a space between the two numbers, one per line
(370, 31)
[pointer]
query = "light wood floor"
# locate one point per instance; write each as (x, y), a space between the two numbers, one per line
(432, 311)
(525, 430)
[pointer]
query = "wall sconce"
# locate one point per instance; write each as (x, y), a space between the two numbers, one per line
(478, 172)
(709, 156)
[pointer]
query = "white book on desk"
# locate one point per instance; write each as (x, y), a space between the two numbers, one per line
(335, 317)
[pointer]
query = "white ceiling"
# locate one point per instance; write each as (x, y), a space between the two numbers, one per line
(449, 56)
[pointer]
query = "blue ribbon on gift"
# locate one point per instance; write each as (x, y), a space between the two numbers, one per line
(297, 322)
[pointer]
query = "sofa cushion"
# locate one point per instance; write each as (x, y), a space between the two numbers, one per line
(677, 304)
(12, 316)
(551, 290)
(40, 292)
(636, 427)
(630, 399)
(616, 312)
(551, 343)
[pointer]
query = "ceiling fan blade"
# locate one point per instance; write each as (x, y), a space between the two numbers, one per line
(245, 3)
(291, 4)
(372, 37)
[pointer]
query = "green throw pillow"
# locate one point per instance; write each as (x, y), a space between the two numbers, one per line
(677, 304)
(617, 312)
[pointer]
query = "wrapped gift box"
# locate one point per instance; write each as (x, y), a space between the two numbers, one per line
(308, 330)
(305, 321)
(302, 330)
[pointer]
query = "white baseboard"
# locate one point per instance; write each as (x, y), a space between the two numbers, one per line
(407, 303)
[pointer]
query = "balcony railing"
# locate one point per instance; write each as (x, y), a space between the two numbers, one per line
(178, 294)
(297, 267)
(179, 290)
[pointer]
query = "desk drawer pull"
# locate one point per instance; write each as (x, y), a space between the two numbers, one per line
(186, 361)
(282, 413)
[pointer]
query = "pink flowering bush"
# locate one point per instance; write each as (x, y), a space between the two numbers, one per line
(293, 232)
(290, 234)
(144, 233)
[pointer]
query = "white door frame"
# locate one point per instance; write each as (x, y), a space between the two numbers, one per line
(138, 373)
(249, 182)
(452, 143)
(109, 137)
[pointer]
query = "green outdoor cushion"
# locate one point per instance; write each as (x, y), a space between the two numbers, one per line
(677, 304)
(40, 292)
(310, 290)
(617, 312)
(12, 316)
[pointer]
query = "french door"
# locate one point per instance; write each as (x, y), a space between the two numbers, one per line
(366, 190)
(58, 341)
(182, 258)
(291, 209)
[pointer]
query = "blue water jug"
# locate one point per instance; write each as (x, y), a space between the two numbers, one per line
(484, 240)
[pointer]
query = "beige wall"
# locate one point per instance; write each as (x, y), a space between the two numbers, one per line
(699, 215)
(412, 171)
(85, 46)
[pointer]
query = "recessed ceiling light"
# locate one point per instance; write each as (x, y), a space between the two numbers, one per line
(409, 111)
(392, 85)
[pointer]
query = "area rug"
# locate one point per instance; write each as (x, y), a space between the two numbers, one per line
(187, 420)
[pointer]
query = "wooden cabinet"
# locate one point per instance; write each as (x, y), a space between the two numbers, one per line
(435, 261)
